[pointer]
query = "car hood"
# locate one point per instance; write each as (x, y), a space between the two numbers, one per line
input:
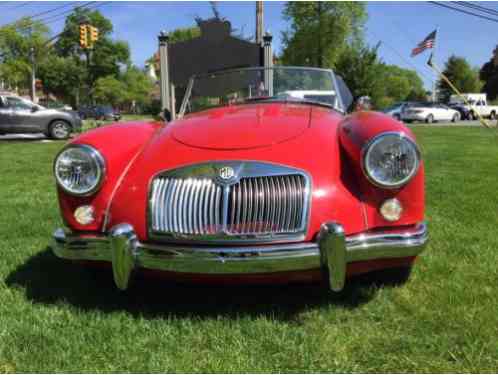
(241, 127)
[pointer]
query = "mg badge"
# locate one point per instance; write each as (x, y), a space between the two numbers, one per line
(226, 173)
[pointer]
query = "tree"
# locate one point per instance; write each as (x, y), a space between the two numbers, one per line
(138, 87)
(131, 89)
(360, 68)
(489, 75)
(366, 75)
(62, 76)
(461, 74)
(109, 90)
(398, 84)
(16, 42)
(320, 31)
(107, 56)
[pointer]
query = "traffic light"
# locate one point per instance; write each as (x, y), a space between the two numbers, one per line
(94, 35)
(84, 36)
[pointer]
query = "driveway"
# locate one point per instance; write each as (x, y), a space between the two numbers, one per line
(25, 137)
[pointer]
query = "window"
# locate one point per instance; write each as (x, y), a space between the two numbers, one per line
(18, 103)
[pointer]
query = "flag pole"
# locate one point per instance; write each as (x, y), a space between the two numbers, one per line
(446, 79)
(434, 83)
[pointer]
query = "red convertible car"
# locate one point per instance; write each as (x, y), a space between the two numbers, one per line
(262, 178)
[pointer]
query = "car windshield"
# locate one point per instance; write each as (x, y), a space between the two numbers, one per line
(308, 85)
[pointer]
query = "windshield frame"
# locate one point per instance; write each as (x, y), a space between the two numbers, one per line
(339, 108)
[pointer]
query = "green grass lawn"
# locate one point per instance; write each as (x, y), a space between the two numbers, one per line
(58, 317)
(91, 123)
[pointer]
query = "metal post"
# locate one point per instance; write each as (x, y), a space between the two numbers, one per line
(172, 102)
(268, 62)
(164, 70)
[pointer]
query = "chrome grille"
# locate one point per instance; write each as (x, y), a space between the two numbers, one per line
(186, 206)
(261, 202)
(267, 205)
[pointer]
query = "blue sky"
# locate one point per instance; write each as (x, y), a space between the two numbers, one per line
(398, 25)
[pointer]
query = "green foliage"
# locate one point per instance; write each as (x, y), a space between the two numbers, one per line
(320, 31)
(130, 89)
(105, 59)
(16, 41)
(461, 74)
(366, 75)
(109, 90)
(360, 68)
(62, 76)
(489, 75)
(138, 86)
(184, 34)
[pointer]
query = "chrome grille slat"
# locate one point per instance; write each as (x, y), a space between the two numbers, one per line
(253, 206)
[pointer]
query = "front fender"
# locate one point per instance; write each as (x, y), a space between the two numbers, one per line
(119, 145)
(355, 132)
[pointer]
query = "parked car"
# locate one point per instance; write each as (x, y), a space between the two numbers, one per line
(396, 109)
(18, 115)
(267, 188)
(463, 110)
(429, 113)
(103, 112)
(477, 105)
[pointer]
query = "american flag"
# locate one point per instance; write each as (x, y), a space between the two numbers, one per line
(428, 42)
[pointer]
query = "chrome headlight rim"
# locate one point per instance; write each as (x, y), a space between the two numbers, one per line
(99, 160)
(370, 146)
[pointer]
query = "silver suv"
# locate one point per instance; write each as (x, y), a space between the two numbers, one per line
(18, 115)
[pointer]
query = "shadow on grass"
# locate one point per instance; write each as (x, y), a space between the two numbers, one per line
(48, 280)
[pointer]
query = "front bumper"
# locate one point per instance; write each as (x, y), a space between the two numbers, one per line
(331, 252)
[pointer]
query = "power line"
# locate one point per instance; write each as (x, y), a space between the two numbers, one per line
(464, 11)
(57, 17)
(479, 8)
(49, 11)
(49, 17)
(17, 6)
(100, 4)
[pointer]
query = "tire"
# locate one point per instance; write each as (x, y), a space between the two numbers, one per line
(455, 118)
(59, 129)
(492, 115)
(429, 119)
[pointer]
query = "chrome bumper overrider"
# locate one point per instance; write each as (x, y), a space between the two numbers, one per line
(332, 252)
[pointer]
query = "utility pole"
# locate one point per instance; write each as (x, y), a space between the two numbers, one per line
(259, 22)
(33, 75)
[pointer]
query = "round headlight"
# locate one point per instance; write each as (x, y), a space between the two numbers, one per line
(390, 160)
(79, 170)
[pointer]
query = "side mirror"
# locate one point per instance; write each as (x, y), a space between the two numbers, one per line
(34, 109)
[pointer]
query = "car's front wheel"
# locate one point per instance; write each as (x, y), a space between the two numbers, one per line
(429, 119)
(59, 130)
(455, 118)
